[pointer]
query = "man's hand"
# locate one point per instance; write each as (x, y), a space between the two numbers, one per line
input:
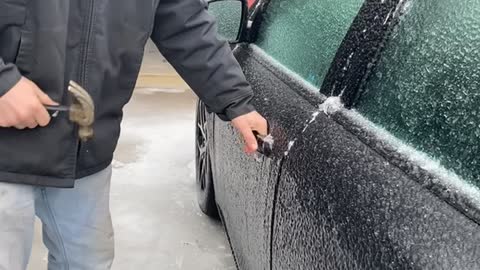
(248, 123)
(23, 106)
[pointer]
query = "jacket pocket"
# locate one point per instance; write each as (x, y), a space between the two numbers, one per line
(24, 59)
(12, 20)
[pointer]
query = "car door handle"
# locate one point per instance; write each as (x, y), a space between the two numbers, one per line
(265, 144)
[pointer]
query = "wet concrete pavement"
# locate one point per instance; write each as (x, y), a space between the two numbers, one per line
(158, 224)
(157, 221)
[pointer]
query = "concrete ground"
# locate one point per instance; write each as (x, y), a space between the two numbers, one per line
(158, 224)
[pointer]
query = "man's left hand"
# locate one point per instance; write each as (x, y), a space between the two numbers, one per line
(248, 123)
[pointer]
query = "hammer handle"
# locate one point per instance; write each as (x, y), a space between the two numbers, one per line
(57, 108)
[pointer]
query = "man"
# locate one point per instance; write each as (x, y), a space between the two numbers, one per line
(99, 44)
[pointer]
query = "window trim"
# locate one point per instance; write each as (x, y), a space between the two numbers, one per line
(360, 50)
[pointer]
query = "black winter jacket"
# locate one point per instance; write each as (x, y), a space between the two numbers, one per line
(99, 44)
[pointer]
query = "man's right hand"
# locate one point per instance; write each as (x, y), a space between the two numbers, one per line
(23, 106)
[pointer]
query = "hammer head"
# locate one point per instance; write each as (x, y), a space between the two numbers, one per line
(82, 111)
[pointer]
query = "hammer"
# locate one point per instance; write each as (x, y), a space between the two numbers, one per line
(81, 112)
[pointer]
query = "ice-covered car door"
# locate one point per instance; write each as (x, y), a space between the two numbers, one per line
(284, 68)
(393, 182)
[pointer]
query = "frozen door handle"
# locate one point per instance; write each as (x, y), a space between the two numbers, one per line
(265, 144)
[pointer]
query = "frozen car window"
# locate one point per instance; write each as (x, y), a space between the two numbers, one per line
(229, 18)
(426, 87)
(304, 35)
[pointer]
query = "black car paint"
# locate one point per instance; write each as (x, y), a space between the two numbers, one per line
(323, 210)
(335, 200)
(365, 214)
(245, 187)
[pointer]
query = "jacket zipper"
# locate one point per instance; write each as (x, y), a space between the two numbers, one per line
(83, 73)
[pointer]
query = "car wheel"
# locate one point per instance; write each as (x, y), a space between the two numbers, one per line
(204, 176)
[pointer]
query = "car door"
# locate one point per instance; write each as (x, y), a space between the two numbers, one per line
(245, 186)
(387, 175)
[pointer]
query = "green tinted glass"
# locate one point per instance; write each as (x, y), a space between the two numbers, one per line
(228, 14)
(304, 35)
(426, 88)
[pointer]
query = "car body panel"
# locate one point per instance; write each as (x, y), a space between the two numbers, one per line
(244, 193)
(342, 205)
(367, 214)
(337, 193)
(246, 185)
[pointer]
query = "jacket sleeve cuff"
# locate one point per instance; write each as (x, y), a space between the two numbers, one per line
(237, 109)
(9, 76)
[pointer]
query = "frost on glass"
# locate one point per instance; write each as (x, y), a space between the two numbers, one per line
(426, 88)
(304, 35)
(229, 17)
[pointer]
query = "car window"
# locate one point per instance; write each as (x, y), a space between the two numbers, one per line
(304, 35)
(426, 87)
(229, 18)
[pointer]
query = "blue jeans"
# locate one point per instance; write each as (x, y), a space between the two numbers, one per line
(77, 227)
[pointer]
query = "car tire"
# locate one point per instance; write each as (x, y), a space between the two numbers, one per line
(204, 175)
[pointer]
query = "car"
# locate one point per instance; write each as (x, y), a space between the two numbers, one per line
(374, 113)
